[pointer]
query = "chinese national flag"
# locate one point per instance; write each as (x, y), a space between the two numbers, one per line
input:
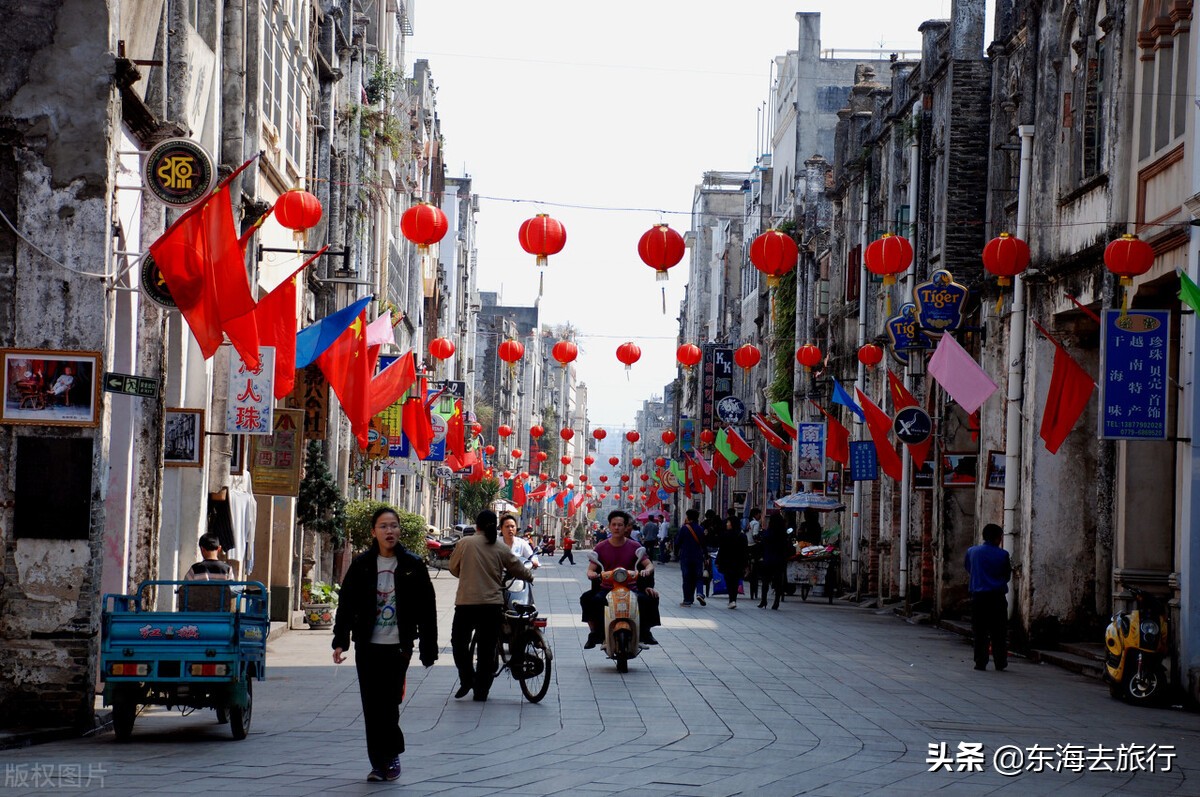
(880, 426)
(837, 445)
(518, 493)
(722, 465)
(201, 260)
(901, 398)
(345, 366)
(392, 382)
(1070, 390)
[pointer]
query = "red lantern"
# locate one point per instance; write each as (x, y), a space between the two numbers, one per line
(636, 462)
(543, 476)
(542, 456)
(808, 355)
(603, 479)
(565, 461)
(489, 450)
(632, 436)
(1006, 256)
(870, 355)
(624, 477)
(614, 461)
(889, 256)
(689, 355)
(424, 224)
(707, 437)
(564, 352)
(567, 434)
(508, 474)
(629, 353)
(645, 477)
(441, 348)
(298, 211)
(668, 437)
(1128, 257)
(746, 357)
(661, 248)
(583, 477)
(536, 431)
(505, 430)
(608, 488)
(660, 462)
(774, 253)
(599, 434)
(589, 460)
(542, 236)
(477, 427)
(516, 453)
(510, 351)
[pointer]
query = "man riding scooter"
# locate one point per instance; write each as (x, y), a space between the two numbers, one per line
(619, 551)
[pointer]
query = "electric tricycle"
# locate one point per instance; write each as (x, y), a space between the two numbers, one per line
(205, 655)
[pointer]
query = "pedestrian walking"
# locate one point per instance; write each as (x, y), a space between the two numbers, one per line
(990, 569)
(689, 548)
(568, 545)
(386, 602)
(776, 550)
(650, 536)
(479, 564)
(732, 557)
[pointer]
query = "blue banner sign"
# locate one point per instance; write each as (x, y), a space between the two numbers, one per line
(864, 461)
(811, 443)
(939, 303)
(1133, 375)
(905, 332)
(774, 470)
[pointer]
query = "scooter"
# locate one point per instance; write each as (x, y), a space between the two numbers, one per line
(1136, 644)
(621, 626)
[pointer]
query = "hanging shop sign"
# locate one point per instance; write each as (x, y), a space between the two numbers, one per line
(154, 286)
(731, 410)
(275, 459)
(905, 332)
(311, 394)
(810, 446)
(716, 381)
(1133, 368)
(864, 461)
(774, 472)
(912, 426)
(939, 304)
(687, 435)
(179, 172)
(251, 394)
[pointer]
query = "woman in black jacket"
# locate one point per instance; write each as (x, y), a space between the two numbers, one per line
(777, 550)
(386, 602)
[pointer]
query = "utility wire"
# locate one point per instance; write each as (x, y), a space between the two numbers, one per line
(41, 252)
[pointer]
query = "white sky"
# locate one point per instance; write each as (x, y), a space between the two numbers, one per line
(617, 105)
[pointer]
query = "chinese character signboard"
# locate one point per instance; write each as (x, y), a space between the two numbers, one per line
(275, 459)
(716, 381)
(251, 394)
(774, 471)
(939, 303)
(864, 461)
(311, 394)
(810, 442)
(1133, 383)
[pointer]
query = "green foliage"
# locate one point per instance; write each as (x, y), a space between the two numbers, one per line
(382, 82)
(783, 327)
(358, 526)
(321, 507)
(474, 497)
(320, 592)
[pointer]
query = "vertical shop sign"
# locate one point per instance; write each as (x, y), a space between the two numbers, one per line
(716, 381)
(311, 394)
(864, 461)
(251, 394)
(811, 449)
(276, 458)
(1133, 367)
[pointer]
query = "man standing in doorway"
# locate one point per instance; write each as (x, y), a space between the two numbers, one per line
(990, 569)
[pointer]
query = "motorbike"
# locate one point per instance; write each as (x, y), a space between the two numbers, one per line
(438, 552)
(621, 624)
(1136, 647)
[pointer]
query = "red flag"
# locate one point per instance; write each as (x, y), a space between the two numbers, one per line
(539, 492)
(456, 439)
(418, 428)
(837, 442)
(880, 425)
(770, 434)
(391, 383)
(345, 366)
(576, 502)
(518, 496)
(902, 398)
(707, 475)
(1070, 390)
(722, 465)
(202, 262)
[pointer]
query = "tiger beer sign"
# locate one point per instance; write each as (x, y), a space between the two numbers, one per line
(179, 172)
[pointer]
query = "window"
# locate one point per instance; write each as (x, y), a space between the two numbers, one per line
(283, 104)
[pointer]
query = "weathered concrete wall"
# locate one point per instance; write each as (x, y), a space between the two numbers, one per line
(56, 136)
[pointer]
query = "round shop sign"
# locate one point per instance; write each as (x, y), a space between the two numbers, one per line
(731, 410)
(154, 286)
(440, 427)
(912, 425)
(179, 172)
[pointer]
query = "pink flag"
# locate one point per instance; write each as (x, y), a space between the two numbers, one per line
(959, 375)
(380, 331)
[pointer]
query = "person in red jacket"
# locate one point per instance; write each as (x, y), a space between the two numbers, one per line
(568, 544)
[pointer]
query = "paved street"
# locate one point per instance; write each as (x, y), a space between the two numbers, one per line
(811, 699)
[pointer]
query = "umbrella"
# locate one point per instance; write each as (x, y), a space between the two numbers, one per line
(815, 501)
(644, 516)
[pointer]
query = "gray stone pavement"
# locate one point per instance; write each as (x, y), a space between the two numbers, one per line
(811, 699)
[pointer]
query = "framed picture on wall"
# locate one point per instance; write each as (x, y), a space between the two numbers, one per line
(959, 469)
(995, 470)
(833, 482)
(51, 388)
(237, 454)
(183, 443)
(923, 476)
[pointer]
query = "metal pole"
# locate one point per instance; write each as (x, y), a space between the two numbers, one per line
(914, 151)
(856, 505)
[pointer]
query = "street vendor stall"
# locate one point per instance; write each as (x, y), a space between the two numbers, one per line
(815, 566)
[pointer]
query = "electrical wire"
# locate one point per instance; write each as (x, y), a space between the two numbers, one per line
(38, 249)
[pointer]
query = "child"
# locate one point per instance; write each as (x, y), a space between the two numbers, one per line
(209, 568)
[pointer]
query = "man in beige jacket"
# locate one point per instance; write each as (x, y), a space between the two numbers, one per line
(479, 564)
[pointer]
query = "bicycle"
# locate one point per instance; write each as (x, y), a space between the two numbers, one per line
(522, 649)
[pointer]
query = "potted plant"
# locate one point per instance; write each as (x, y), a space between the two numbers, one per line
(319, 611)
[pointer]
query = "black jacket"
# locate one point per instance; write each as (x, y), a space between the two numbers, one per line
(416, 609)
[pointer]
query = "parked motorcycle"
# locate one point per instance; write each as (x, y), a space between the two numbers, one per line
(1136, 644)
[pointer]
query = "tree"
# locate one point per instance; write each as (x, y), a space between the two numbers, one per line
(358, 526)
(474, 497)
(320, 507)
